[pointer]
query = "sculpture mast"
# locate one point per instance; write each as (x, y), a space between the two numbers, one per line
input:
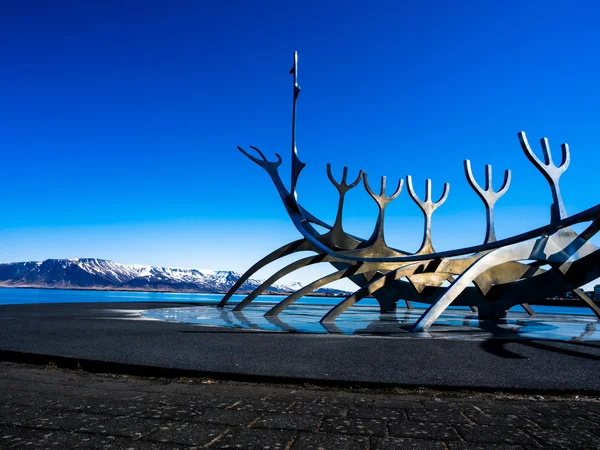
(297, 165)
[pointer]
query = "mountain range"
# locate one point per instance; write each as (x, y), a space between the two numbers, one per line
(93, 273)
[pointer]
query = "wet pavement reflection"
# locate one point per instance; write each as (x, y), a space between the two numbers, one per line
(551, 323)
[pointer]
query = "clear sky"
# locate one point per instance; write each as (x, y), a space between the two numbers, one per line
(119, 120)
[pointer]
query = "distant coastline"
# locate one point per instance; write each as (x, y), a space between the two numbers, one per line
(94, 274)
(163, 291)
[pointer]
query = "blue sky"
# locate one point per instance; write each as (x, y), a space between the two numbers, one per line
(120, 120)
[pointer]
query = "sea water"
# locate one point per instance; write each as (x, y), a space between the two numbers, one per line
(20, 296)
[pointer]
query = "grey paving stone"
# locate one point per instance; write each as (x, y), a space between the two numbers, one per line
(125, 395)
(348, 425)
(193, 434)
(106, 406)
(28, 399)
(345, 398)
(288, 422)
(551, 408)
(394, 443)
(593, 407)
(317, 409)
(131, 427)
(238, 391)
(377, 413)
(303, 396)
(136, 386)
(33, 417)
(197, 401)
(588, 415)
(16, 437)
(564, 422)
(229, 417)
(423, 430)
(486, 446)
(251, 439)
(481, 434)
(94, 441)
(447, 406)
(500, 419)
(70, 389)
(167, 389)
(8, 385)
(68, 421)
(328, 441)
(260, 405)
(566, 438)
(338, 399)
(585, 410)
(426, 415)
(391, 402)
(167, 412)
(499, 408)
(20, 414)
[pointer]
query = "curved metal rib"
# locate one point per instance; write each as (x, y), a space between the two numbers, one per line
(287, 249)
(289, 300)
(280, 274)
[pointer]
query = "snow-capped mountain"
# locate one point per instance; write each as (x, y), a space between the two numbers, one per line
(103, 274)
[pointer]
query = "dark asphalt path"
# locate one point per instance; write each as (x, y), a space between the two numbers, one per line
(113, 333)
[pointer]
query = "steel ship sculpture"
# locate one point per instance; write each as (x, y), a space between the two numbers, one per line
(489, 278)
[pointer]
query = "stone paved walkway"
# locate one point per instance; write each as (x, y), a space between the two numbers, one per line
(47, 407)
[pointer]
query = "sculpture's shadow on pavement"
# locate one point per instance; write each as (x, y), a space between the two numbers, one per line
(503, 338)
